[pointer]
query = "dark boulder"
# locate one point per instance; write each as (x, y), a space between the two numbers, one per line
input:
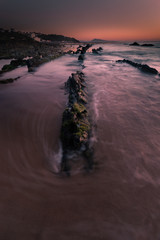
(18, 62)
(134, 44)
(99, 49)
(33, 63)
(96, 51)
(147, 45)
(13, 65)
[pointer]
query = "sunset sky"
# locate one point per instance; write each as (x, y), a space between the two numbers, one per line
(85, 19)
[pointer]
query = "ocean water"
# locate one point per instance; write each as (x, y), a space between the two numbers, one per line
(120, 198)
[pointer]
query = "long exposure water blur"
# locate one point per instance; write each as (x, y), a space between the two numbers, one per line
(120, 198)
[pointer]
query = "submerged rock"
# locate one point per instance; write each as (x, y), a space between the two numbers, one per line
(142, 67)
(147, 45)
(142, 45)
(8, 80)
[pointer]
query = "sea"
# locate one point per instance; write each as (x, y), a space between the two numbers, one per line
(120, 198)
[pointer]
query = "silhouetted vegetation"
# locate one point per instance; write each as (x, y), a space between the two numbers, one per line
(56, 38)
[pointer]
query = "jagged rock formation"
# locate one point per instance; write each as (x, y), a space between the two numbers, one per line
(76, 127)
(96, 51)
(134, 44)
(142, 67)
(83, 51)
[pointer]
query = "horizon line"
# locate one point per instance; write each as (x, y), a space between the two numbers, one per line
(84, 40)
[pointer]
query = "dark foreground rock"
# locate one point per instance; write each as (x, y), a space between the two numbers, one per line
(33, 63)
(76, 127)
(13, 65)
(8, 80)
(142, 67)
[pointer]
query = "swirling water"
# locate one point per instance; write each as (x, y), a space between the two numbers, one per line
(121, 198)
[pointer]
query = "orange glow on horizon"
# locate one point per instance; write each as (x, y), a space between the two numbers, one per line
(116, 34)
(85, 20)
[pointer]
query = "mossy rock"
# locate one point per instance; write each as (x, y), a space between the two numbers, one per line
(82, 130)
(79, 108)
(75, 127)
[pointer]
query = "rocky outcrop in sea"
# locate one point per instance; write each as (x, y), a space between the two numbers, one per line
(97, 51)
(83, 51)
(143, 67)
(142, 45)
(76, 126)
